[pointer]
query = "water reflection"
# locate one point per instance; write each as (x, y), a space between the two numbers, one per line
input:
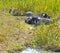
(30, 50)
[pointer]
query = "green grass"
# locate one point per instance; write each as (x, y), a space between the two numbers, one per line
(48, 36)
(51, 7)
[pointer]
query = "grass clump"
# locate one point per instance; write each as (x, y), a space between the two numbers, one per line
(48, 36)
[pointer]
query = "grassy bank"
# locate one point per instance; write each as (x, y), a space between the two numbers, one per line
(13, 33)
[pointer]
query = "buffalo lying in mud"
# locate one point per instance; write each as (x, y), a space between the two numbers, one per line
(37, 19)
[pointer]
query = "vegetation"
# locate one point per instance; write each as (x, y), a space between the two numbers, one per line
(37, 6)
(15, 33)
(48, 37)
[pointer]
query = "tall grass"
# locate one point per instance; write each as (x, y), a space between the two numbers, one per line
(49, 6)
(48, 36)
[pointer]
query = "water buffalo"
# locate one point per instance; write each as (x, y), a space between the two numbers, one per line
(45, 18)
(44, 15)
(37, 19)
(33, 20)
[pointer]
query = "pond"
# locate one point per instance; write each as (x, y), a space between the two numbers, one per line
(32, 50)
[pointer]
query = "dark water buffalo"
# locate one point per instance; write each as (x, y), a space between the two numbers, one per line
(44, 15)
(45, 18)
(37, 19)
(32, 20)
